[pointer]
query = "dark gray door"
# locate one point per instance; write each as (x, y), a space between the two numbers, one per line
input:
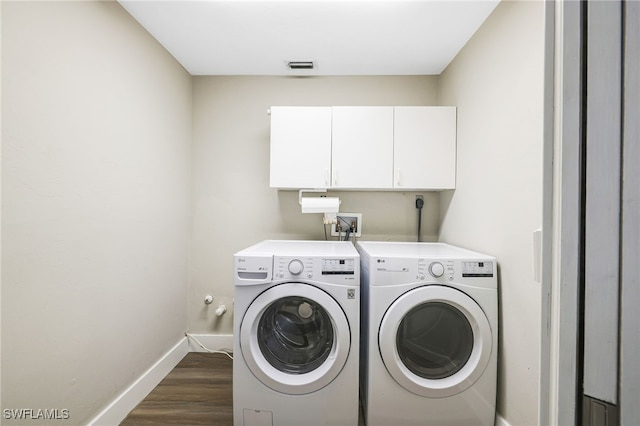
(611, 257)
(595, 338)
(629, 398)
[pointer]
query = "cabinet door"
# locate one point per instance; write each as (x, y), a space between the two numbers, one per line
(362, 147)
(424, 147)
(300, 147)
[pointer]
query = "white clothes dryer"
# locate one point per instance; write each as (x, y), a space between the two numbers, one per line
(296, 334)
(430, 328)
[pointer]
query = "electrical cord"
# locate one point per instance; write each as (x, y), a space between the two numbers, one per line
(211, 351)
(419, 205)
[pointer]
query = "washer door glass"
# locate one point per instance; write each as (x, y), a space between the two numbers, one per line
(295, 334)
(434, 340)
(295, 338)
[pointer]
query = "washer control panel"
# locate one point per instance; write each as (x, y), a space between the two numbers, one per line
(329, 269)
(477, 269)
(338, 267)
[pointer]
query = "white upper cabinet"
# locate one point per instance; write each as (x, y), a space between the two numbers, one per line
(300, 147)
(424, 147)
(402, 148)
(362, 147)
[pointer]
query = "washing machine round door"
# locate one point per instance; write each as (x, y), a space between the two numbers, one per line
(295, 338)
(435, 341)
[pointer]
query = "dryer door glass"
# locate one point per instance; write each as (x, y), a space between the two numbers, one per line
(434, 340)
(295, 335)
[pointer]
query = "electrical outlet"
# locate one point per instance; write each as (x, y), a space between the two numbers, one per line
(346, 220)
(330, 218)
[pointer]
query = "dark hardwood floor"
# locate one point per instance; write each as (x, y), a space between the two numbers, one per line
(198, 391)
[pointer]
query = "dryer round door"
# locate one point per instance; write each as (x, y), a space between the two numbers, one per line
(295, 338)
(435, 341)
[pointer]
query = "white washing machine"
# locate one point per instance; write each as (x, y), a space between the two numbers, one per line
(430, 328)
(296, 334)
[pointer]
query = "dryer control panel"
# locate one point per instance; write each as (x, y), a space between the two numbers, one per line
(391, 271)
(435, 269)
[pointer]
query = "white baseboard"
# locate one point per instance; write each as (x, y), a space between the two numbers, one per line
(118, 409)
(214, 342)
(500, 421)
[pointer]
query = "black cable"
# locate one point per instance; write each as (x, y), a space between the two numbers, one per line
(419, 205)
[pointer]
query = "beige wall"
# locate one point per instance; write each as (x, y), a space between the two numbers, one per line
(95, 181)
(497, 84)
(232, 204)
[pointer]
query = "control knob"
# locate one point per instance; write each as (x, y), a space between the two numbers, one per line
(436, 269)
(296, 267)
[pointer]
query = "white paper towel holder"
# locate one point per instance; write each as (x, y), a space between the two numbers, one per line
(318, 204)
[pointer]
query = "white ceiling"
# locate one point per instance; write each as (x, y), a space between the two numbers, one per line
(342, 37)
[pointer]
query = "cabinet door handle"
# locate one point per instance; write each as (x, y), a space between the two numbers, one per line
(397, 177)
(335, 177)
(326, 177)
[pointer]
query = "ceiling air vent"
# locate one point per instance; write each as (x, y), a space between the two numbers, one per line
(300, 65)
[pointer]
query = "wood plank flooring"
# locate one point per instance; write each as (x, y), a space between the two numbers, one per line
(198, 391)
